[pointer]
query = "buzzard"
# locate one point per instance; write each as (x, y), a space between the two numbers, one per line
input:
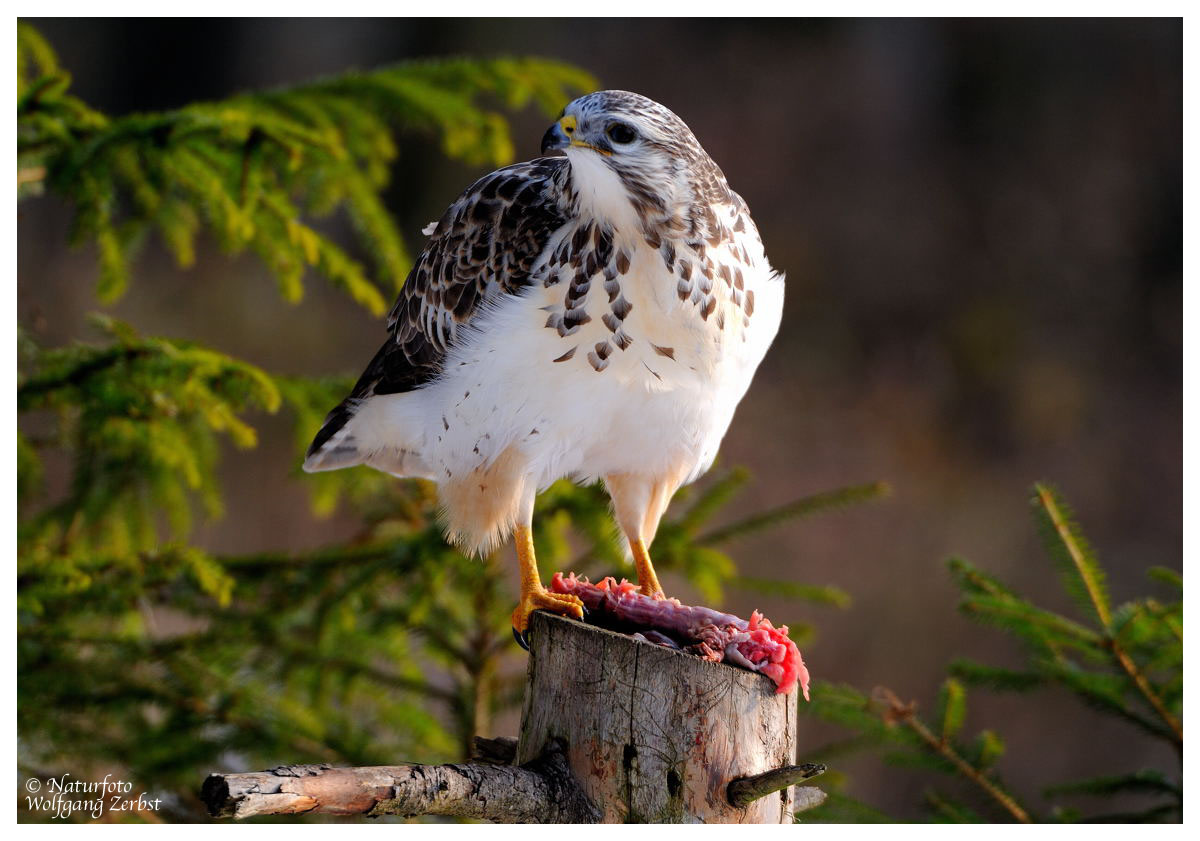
(596, 316)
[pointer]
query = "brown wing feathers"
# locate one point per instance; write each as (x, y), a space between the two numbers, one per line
(484, 245)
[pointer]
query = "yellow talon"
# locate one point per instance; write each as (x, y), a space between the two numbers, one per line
(542, 599)
(533, 595)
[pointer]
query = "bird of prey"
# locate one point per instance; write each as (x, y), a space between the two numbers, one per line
(596, 316)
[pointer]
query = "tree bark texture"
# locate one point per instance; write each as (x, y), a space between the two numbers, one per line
(541, 792)
(613, 730)
(653, 734)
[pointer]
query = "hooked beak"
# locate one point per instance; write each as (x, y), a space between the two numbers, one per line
(556, 137)
(562, 135)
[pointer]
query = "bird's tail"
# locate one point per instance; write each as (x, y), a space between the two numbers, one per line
(375, 431)
(335, 445)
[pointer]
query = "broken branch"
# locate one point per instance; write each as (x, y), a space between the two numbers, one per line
(745, 790)
(543, 791)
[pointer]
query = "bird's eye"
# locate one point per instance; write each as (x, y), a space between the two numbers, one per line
(621, 133)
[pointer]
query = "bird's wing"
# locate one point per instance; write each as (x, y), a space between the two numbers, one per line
(485, 245)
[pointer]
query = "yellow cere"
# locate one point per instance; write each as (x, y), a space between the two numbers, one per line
(569, 124)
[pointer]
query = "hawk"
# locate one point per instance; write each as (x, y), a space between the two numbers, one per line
(596, 316)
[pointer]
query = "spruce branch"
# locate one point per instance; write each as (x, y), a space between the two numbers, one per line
(143, 416)
(897, 712)
(1084, 565)
(950, 810)
(1167, 576)
(1091, 576)
(993, 677)
(840, 808)
(1147, 782)
(1151, 815)
(250, 167)
(1137, 653)
(1143, 684)
(824, 595)
(805, 507)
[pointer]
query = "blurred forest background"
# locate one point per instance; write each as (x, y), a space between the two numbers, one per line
(981, 224)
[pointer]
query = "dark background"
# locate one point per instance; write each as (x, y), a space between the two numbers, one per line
(981, 224)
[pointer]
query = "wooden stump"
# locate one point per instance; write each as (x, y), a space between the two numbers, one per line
(653, 734)
(613, 730)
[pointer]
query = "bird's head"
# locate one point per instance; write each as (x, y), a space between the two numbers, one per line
(618, 139)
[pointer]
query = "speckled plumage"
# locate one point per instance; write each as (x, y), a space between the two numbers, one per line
(597, 315)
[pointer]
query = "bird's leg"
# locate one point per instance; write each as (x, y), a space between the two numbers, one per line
(533, 595)
(638, 505)
(645, 570)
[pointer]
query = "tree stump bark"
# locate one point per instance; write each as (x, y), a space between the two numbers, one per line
(613, 730)
(653, 734)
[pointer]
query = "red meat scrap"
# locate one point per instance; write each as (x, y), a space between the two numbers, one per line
(753, 644)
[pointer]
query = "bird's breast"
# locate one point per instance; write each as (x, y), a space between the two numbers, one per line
(627, 353)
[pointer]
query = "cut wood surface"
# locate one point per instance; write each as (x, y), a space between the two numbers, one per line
(654, 734)
(613, 730)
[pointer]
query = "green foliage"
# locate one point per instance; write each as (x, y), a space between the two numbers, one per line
(952, 708)
(142, 653)
(839, 808)
(832, 596)
(804, 507)
(250, 168)
(993, 677)
(1125, 662)
(1152, 782)
(946, 810)
(1082, 574)
(988, 748)
(141, 417)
